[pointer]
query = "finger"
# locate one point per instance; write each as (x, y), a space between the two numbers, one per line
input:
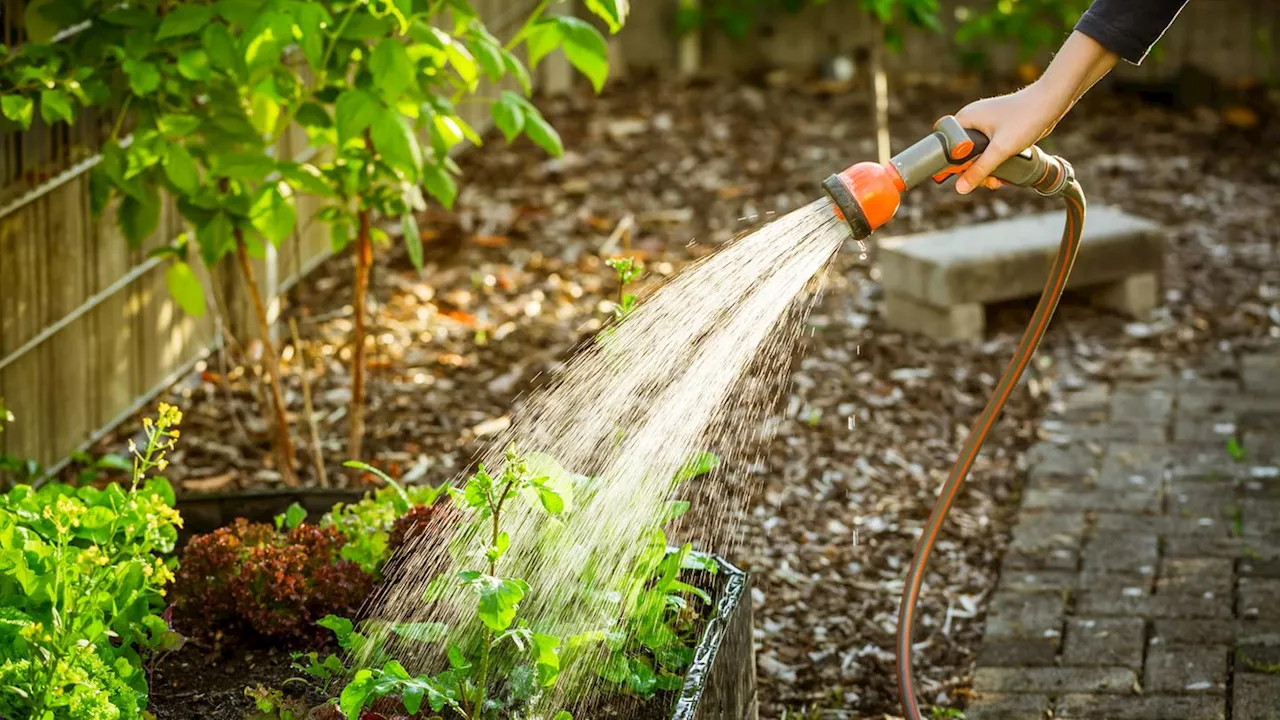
(992, 183)
(986, 163)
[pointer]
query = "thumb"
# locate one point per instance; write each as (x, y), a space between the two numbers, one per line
(986, 164)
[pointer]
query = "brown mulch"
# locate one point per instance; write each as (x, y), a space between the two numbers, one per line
(515, 279)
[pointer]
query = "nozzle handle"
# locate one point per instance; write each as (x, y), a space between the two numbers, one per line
(1032, 168)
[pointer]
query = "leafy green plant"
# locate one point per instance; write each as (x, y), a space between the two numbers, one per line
(1235, 450)
(386, 104)
(465, 687)
(369, 524)
(82, 579)
(208, 91)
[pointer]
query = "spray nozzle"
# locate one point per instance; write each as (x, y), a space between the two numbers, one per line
(866, 195)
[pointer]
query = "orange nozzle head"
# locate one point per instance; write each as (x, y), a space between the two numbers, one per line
(866, 196)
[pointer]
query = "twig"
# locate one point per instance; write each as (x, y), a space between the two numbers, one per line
(317, 455)
(622, 232)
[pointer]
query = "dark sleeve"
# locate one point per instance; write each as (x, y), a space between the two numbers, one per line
(1129, 28)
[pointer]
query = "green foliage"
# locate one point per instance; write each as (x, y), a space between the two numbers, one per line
(465, 686)
(82, 579)
(1235, 450)
(211, 88)
(1034, 25)
(367, 525)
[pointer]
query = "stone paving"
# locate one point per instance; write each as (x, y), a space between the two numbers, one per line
(1142, 581)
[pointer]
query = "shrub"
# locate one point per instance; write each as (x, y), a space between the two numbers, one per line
(81, 579)
(258, 578)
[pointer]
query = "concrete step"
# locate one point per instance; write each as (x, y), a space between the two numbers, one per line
(937, 283)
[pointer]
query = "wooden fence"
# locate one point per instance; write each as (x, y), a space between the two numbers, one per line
(1231, 39)
(88, 331)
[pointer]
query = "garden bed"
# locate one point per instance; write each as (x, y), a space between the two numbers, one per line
(210, 680)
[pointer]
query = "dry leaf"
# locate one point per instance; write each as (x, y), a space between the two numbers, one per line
(493, 241)
(1239, 116)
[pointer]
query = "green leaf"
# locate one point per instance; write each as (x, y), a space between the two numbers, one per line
(40, 28)
(550, 499)
(499, 599)
(562, 715)
(341, 627)
(547, 658)
(177, 125)
(186, 19)
(355, 693)
(55, 106)
(272, 214)
(311, 115)
(139, 217)
(161, 487)
(541, 133)
(395, 141)
(412, 239)
(181, 169)
(508, 115)
(354, 111)
(221, 49)
(310, 18)
(440, 185)
(248, 166)
(307, 178)
(392, 69)
(144, 77)
(586, 49)
(542, 40)
(489, 54)
(613, 12)
(215, 239)
(521, 73)
(18, 109)
(462, 62)
(185, 289)
(700, 464)
(294, 515)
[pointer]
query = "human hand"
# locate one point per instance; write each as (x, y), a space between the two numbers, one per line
(1012, 123)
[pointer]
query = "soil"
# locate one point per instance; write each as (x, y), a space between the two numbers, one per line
(515, 279)
(208, 681)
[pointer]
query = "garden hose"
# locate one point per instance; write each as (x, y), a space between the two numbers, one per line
(866, 196)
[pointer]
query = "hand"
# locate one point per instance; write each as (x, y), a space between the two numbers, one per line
(1013, 123)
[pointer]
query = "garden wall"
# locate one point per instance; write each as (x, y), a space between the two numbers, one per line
(88, 331)
(1228, 38)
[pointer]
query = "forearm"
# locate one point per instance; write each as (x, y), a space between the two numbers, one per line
(1078, 66)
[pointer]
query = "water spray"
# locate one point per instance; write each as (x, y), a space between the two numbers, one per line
(866, 196)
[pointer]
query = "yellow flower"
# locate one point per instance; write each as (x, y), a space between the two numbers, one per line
(146, 422)
(176, 434)
(162, 464)
(163, 592)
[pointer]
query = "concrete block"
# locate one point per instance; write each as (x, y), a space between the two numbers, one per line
(1135, 296)
(928, 276)
(958, 322)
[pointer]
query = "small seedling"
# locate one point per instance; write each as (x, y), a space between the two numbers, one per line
(941, 713)
(1235, 450)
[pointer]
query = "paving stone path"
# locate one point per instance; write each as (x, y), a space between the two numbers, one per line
(1143, 577)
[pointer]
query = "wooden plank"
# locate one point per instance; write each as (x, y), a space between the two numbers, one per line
(66, 373)
(114, 326)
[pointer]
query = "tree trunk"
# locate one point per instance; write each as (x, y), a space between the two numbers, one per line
(284, 445)
(880, 82)
(364, 259)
